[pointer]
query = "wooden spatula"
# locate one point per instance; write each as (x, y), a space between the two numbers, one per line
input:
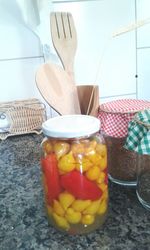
(64, 39)
(57, 88)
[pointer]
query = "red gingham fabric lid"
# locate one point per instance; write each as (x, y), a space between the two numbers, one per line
(116, 115)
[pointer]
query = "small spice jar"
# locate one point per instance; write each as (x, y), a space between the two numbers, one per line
(74, 173)
(114, 117)
(138, 140)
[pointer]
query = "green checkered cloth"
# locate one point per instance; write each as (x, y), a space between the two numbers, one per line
(138, 138)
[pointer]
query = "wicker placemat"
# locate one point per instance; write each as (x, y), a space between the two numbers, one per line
(24, 116)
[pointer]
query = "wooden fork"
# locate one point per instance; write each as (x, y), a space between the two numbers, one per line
(64, 39)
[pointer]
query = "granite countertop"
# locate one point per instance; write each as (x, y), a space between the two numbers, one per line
(23, 223)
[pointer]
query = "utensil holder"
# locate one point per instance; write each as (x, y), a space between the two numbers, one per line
(88, 99)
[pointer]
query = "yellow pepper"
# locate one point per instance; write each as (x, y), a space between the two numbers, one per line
(83, 164)
(92, 208)
(102, 207)
(80, 205)
(101, 178)
(57, 208)
(101, 149)
(87, 219)
(90, 147)
(95, 158)
(66, 199)
(72, 216)
(103, 186)
(48, 147)
(103, 163)
(105, 194)
(67, 162)
(78, 149)
(93, 173)
(61, 221)
(61, 148)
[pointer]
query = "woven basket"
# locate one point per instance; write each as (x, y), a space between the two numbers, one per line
(25, 116)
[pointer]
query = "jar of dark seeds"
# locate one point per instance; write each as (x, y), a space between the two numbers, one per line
(143, 180)
(115, 117)
(138, 141)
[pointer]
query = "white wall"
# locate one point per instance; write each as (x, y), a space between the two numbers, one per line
(113, 58)
(21, 54)
(143, 51)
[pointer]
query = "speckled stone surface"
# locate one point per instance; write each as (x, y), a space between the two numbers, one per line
(24, 226)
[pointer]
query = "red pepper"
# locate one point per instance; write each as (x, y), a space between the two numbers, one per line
(79, 186)
(50, 169)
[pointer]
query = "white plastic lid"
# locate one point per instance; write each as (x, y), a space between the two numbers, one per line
(71, 126)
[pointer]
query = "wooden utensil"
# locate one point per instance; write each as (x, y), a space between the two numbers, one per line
(57, 89)
(64, 39)
(88, 99)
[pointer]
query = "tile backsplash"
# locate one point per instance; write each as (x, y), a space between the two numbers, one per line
(21, 53)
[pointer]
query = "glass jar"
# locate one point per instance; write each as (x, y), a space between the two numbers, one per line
(139, 141)
(143, 180)
(74, 170)
(122, 163)
(115, 117)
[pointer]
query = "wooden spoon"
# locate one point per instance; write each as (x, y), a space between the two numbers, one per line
(57, 88)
